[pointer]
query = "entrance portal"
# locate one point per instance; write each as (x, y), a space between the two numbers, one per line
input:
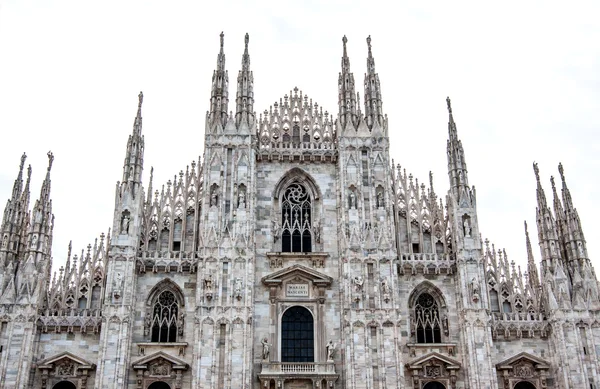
(524, 385)
(64, 385)
(434, 385)
(159, 385)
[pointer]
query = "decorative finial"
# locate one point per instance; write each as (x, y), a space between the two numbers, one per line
(222, 39)
(562, 172)
(449, 104)
(50, 160)
(140, 99)
(552, 182)
(345, 40)
(369, 43)
(536, 170)
(246, 40)
(23, 158)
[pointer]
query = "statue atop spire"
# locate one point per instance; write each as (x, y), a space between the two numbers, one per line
(449, 105)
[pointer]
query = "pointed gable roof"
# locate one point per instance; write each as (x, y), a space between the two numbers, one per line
(536, 361)
(451, 364)
(297, 270)
(176, 362)
(48, 362)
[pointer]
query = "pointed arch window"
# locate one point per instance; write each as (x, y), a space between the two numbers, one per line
(296, 214)
(427, 318)
(164, 318)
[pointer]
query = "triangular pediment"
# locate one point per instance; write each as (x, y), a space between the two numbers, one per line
(300, 271)
(520, 357)
(449, 363)
(48, 362)
(176, 362)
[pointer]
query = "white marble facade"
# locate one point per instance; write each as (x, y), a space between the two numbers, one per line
(294, 255)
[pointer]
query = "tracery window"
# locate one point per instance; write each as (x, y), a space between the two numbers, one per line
(296, 214)
(427, 318)
(164, 318)
(297, 335)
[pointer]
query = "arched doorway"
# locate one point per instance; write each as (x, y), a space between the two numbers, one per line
(64, 385)
(297, 335)
(159, 385)
(434, 385)
(525, 385)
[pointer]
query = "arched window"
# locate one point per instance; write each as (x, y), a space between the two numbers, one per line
(427, 318)
(494, 302)
(159, 385)
(297, 335)
(64, 385)
(296, 215)
(164, 318)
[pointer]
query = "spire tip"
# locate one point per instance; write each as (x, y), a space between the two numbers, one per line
(449, 104)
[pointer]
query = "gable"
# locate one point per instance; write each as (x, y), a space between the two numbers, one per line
(299, 271)
(48, 362)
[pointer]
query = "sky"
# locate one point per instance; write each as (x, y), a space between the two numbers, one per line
(523, 78)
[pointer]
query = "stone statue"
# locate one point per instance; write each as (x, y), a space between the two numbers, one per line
(180, 323)
(467, 228)
(208, 282)
(380, 200)
(352, 203)
(317, 231)
(125, 224)
(266, 349)
(147, 324)
(330, 350)
(4, 241)
(242, 199)
(275, 229)
(34, 241)
(475, 290)
(238, 288)
(358, 283)
(213, 198)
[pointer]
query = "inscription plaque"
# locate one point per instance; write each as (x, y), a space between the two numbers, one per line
(296, 290)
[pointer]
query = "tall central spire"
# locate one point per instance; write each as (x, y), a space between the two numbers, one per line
(219, 91)
(457, 166)
(347, 93)
(373, 104)
(244, 110)
(134, 155)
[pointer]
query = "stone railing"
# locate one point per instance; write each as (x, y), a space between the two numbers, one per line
(301, 151)
(85, 320)
(517, 316)
(298, 368)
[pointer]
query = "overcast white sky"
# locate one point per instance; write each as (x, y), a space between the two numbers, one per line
(523, 77)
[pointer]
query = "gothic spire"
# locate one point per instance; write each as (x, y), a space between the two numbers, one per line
(457, 166)
(134, 155)
(547, 229)
(572, 236)
(347, 97)
(532, 272)
(16, 208)
(373, 104)
(219, 95)
(244, 112)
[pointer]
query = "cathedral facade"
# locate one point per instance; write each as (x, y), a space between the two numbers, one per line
(295, 255)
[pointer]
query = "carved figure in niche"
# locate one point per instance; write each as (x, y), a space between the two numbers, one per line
(266, 349)
(352, 201)
(317, 231)
(467, 228)
(125, 223)
(65, 368)
(147, 324)
(208, 283)
(275, 229)
(358, 283)
(180, 323)
(213, 197)
(238, 288)
(330, 350)
(445, 325)
(475, 290)
(4, 241)
(380, 203)
(34, 239)
(118, 281)
(385, 289)
(242, 199)
(580, 249)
